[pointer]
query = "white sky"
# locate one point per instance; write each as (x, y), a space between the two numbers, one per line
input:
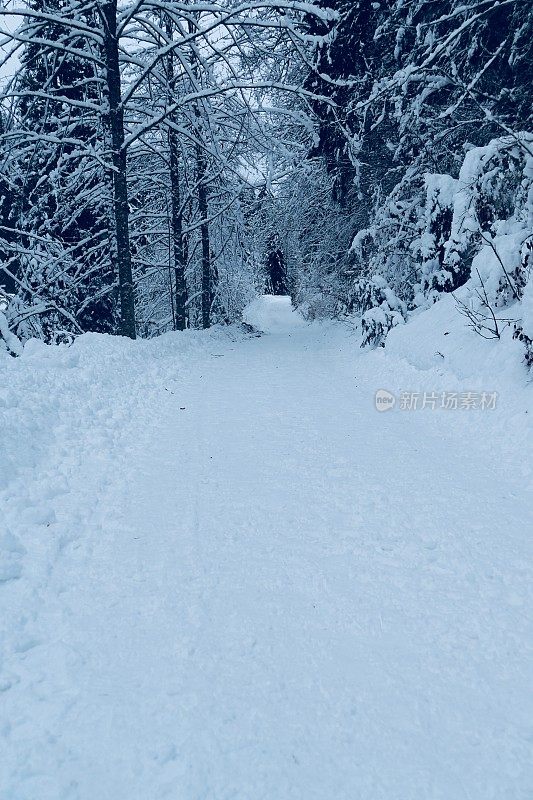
(8, 23)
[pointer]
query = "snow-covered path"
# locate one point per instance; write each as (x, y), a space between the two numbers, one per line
(264, 589)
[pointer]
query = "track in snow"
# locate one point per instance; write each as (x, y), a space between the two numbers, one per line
(278, 593)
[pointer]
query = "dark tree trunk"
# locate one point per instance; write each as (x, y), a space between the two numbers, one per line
(178, 249)
(120, 186)
(178, 252)
(207, 293)
(277, 273)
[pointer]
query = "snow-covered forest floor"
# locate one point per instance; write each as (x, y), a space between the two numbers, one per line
(225, 575)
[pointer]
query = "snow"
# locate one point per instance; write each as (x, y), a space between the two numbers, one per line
(440, 189)
(226, 575)
(7, 339)
(465, 221)
(527, 309)
(272, 314)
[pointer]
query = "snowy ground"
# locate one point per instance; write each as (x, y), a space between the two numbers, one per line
(224, 574)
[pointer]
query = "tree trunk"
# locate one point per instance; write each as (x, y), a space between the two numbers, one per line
(201, 163)
(178, 250)
(182, 317)
(120, 186)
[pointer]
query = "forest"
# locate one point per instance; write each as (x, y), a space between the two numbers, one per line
(161, 161)
(266, 399)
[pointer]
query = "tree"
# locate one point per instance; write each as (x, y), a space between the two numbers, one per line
(58, 200)
(211, 39)
(275, 265)
(114, 121)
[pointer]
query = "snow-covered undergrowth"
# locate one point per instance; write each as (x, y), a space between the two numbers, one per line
(224, 574)
(473, 233)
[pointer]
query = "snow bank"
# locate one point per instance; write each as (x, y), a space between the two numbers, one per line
(527, 310)
(438, 339)
(61, 407)
(272, 314)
